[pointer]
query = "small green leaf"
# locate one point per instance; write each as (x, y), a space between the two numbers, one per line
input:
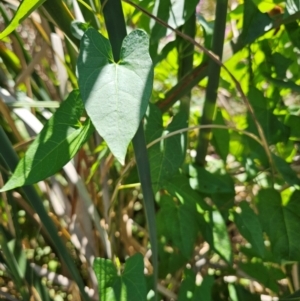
(221, 242)
(167, 155)
(175, 13)
(190, 291)
(273, 128)
(131, 285)
(288, 174)
(293, 121)
(293, 297)
(179, 187)
(281, 223)
(187, 286)
(245, 295)
(203, 292)
(206, 182)
(58, 142)
(78, 28)
(255, 23)
(115, 94)
(24, 10)
(249, 226)
(179, 224)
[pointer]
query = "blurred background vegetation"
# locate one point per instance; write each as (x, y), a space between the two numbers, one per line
(95, 204)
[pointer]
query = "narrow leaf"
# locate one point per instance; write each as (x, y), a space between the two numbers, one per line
(24, 10)
(115, 94)
(220, 236)
(58, 142)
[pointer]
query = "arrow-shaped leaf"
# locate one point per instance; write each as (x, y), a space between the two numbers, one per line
(115, 94)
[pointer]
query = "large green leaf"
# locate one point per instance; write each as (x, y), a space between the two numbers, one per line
(281, 223)
(248, 224)
(24, 10)
(131, 285)
(115, 94)
(58, 142)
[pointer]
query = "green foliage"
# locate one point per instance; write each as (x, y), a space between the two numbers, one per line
(168, 155)
(279, 220)
(249, 226)
(58, 142)
(24, 10)
(115, 104)
(130, 285)
(195, 208)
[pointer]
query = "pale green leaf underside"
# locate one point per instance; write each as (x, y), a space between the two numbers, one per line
(115, 95)
(59, 140)
(24, 10)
